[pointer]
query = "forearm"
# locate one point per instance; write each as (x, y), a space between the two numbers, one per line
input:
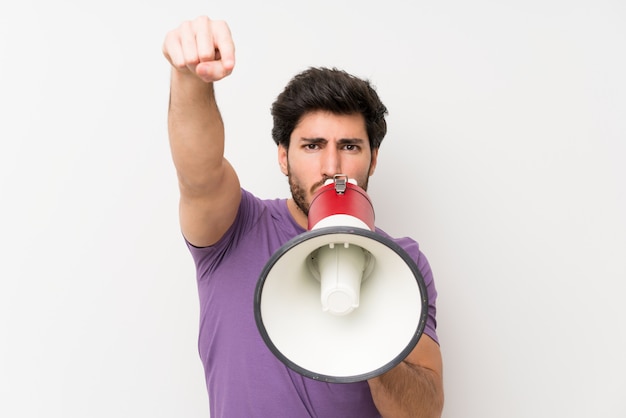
(408, 391)
(196, 130)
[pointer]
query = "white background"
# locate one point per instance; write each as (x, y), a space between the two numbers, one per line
(504, 159)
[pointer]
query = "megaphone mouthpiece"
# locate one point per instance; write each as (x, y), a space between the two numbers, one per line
(340, 270)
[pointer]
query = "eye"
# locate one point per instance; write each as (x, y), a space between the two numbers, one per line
(351, 147)
(311, 147)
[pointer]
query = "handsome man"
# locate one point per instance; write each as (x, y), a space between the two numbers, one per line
(326, 122)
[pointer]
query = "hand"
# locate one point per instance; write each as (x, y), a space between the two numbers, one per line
(202, 47)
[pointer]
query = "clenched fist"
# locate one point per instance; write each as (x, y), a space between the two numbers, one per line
(202, 47)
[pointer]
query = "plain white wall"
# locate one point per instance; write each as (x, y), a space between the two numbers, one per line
(504, 159)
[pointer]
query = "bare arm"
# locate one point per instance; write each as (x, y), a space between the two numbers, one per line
(201, 52)
(414, 388)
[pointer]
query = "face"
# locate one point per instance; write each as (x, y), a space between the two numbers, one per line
(324, 144)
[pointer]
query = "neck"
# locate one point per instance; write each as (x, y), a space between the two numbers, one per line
(297, 214)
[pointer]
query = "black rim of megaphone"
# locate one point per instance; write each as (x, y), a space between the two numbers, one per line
(299, 239)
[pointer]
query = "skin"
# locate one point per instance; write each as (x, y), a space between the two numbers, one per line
(202, 52)
(322, 145)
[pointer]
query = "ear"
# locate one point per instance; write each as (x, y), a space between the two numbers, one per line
(374, 160)
(282, 159)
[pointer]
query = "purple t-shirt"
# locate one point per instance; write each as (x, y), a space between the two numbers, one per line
(243, 377)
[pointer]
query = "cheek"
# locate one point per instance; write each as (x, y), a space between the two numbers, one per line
(360, 168)
(298, 166)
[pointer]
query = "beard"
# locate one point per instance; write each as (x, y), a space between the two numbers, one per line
(299, 193)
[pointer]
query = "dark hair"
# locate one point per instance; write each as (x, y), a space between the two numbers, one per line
(330, 90)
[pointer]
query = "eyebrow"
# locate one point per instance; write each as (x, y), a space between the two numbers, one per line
(342, 141)
(313, 140)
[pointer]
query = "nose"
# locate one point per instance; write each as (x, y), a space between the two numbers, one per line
(331, 162)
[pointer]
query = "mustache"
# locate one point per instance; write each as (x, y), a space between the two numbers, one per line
(319, 184)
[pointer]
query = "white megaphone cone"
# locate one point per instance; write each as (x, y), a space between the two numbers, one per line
(340, 302)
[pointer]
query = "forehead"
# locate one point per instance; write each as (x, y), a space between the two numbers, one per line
(328, 125)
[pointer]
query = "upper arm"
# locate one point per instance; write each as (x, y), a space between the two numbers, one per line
(427, 355)
(414, 387)
(206, 213)
(209, 187)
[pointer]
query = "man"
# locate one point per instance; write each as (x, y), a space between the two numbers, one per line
(326, 122)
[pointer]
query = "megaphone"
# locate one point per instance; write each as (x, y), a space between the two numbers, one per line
(340, 303)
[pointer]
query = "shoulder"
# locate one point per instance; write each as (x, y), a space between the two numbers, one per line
(408, 244)
(255, 216)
